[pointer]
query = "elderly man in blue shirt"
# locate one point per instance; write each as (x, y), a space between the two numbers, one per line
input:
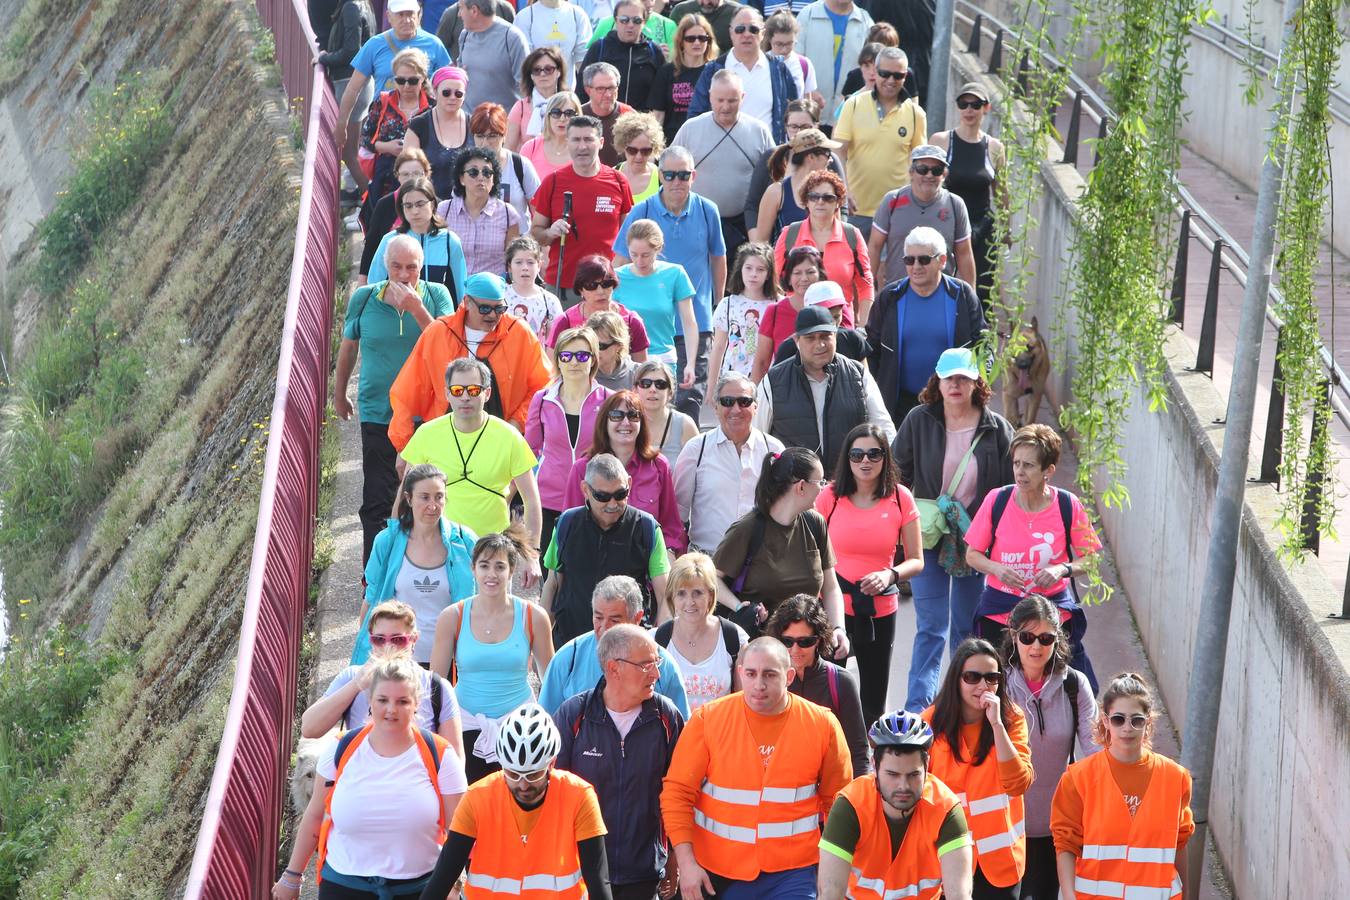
(617, 600)
(692, 226)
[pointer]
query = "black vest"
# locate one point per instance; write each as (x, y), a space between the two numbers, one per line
(794, 407)
(587, 554)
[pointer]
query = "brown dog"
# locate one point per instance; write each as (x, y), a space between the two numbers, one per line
(1031, 368)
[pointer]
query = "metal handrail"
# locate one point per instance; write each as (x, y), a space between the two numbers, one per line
(1340, 105)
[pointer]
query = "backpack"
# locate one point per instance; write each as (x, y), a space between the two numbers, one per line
(432, 747)
(1071, 691)
(850, 237)
(1065, 515)
(730, 640)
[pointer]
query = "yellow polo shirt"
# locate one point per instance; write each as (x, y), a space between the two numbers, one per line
(878, 147)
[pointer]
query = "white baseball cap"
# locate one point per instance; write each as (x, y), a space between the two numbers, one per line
(402, 6)
(826, 294)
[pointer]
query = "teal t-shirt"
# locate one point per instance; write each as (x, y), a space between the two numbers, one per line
(386, 337)
(654, 298)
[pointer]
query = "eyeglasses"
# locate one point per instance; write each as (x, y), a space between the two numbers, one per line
(697, 38)
(420, 204)
(647, 668)
(871, 454)
(488, 135)
(638, 151)
(821, 198)
(618, 415)
(729, 402)
(921, 260)
(929, 170)
(563, 113)
(742, 29)
(399, 641)
(459, 390)
(581, 356)
(597, 285)
(660, 384)
(894, 76)
(630, 20)
(668, 175)
(491, 309)
(989, 678)
(408, 79)
(1026, 638)
(821, 483)
(805, 643)
(452, 92)
(605, 346)
(1136, 721)
(476, 172)
(607, 496)
(603, 88)
(531, 777)
(969, 104)
(543, 70)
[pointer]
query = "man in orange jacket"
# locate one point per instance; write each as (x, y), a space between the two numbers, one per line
(749, 781)
(481, 327)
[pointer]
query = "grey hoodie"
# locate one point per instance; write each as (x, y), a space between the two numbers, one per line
(1049, 725)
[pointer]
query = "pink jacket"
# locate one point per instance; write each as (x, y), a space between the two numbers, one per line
(652, 490)
(546, 433)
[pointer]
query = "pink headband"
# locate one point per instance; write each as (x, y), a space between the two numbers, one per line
(449, 73)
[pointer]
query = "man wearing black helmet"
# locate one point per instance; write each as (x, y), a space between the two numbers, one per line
(899, 831)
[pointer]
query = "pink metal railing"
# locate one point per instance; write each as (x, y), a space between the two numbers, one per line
(236, 847)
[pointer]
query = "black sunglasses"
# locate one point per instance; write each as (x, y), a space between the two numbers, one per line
(491, 309)
(969, 104)
(894, 76)
(618, 415)
(597, 285)
(1026, 638)
(408, 79)
(990, 678)
(929, 170)
(607, 496)
(729, 402)
(607, 344)
(696, 38)
(871, 454)
(563, 113)
(671, 176)
(804, 642)
(476, 172)
(452, 92)
(658, 383)
(742, 29)
(630, 20)
(921, 260)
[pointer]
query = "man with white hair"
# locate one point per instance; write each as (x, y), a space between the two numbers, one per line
(727, 147)
(617, 600)
(754, 773)
(916, 318)
(619, 734)
(377, 331)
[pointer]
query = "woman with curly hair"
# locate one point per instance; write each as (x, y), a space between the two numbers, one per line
(638, 136)
(483, 221)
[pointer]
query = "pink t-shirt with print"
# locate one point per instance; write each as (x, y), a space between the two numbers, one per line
(864, 540)
(1028, 542)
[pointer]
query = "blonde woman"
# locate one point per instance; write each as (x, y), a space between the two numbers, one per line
(638, 136)
(704, 645)
(657, 291)
(617, 368)
(548, 151)
(670, 429)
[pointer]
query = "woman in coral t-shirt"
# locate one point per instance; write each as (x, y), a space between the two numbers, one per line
(1028, 549)
(871, 518)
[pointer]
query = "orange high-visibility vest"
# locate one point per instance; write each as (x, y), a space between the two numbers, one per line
(914, 871)
(1124, 855)
(749, 819)
(996, 820)
(547, 866)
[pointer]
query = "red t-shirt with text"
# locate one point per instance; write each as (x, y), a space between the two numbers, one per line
(599, 204)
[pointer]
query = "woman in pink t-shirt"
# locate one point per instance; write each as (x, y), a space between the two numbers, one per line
(872, 522)
(1038, 542)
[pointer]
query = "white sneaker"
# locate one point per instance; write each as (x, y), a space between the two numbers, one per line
(353, 222)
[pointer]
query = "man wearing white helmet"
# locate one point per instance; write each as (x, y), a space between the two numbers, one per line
(528, 826)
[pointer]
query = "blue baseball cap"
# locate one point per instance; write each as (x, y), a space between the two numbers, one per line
(485, 286)
(957, 361)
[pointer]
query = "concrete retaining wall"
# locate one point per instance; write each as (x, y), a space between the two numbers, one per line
(1280, 791)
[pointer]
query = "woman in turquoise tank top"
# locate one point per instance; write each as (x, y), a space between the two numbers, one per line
(484, 645)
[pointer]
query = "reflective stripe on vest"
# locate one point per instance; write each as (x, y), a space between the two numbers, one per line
(764, 830)
(755, 798)
(878, 886)
(987, 804)
(1089, 887)
(1129, 854)
(554, 883)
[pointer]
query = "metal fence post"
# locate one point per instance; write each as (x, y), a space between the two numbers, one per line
(976, 33)
(1204, 357)
(1101, 136)
(1273, 445)
(1178, 313)
(996, 55)
(1312, 537)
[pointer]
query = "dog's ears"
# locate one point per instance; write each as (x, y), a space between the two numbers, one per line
(1036, 326)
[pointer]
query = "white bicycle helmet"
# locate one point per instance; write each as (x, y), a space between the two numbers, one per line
(528, 739)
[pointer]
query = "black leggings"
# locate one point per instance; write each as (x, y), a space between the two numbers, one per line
(986, 891)
(474, 766)
(873, 653)
(1041, 879)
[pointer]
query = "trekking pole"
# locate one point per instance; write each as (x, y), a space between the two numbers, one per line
(562, 241)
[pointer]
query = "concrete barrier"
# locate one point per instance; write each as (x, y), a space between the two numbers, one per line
(1280, 792)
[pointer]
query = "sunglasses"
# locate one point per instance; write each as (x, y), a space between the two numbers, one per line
(394, 640)
(696, 38)
(742, 29)
(821, 198)
(543, 70)
(821, 483)
(872, 454)
(894, 76)
(671, 176)
(638, 151)
(605, 346)
(476, 172)
(969, 104)
(459, 390)
(531, 777)
(929, 170)
(660, 384)
(990, 678)
(563, 113)
(491, 309)
(921, 260)
(607, 496)
(1026, 639)
(630, 20)
(581, 356)
(452, 92)
(729, 402)
(408, 79)
(597, 285)
(805, 643)
(1136, 721)
(618, 415)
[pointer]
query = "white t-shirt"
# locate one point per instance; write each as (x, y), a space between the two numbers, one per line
(804, 75)
(473, 337)
(624, 720)
(427, 591)
(568, 28)
(385, 812)
(709, 679)
(358, 714)
(540, 310)
(739, 317)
